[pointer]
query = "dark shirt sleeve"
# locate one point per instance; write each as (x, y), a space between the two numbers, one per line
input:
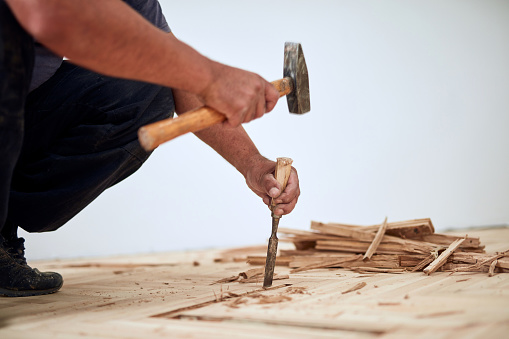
(150, 10)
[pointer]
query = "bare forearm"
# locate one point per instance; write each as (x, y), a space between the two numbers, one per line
(109, 37)
(234, 145)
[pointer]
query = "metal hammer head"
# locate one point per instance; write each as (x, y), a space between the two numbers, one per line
(295, 68)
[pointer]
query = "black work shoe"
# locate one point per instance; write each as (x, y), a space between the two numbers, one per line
(17, 279)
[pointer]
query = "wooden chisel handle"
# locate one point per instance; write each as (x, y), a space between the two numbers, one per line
(155, 134)
(282, 173)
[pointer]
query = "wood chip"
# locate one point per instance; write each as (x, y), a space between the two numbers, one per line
(423, 263)
(258, 279)
(252, 272)
(236, 302)
(273, 299)
(355, 288)
(297, 290)
(378, 270)
(438, 314)
(226, 280)
(491, 271)
(388, 303)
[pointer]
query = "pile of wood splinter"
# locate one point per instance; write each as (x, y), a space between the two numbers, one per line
(392, 247)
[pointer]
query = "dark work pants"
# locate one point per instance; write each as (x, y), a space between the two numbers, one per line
(68, 140)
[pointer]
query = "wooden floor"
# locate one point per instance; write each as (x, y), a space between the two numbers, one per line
(172, 296)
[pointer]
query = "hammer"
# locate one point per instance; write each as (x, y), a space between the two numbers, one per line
(295, 85)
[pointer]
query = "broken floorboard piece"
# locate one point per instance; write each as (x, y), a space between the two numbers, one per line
(442, 258)
(376, 240)
(238, 254)
(341, 231)
(409, 229)
(362, 269)
(425, 262)
(260, 260)
(446, 240)
(481, 263)
(325, 264)
(387, 246)
(347, 260)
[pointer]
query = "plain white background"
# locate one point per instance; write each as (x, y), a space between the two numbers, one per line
(409, 119)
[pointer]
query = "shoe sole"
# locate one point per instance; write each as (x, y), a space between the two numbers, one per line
(27, 293)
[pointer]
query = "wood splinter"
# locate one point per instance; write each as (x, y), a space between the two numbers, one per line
(376, 241)
(355, 288)
(442, 258)
(491, 271)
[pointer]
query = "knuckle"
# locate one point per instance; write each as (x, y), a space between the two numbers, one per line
(259, 87)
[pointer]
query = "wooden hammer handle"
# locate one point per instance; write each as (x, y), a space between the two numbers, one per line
(284, 86)
(155, 134)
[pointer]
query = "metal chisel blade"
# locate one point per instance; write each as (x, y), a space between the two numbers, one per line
(270, 262)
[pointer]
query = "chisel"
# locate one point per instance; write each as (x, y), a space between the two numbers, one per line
(283, 169)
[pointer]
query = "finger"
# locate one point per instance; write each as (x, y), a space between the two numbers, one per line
(271, 97)
(287, 197)
(260, 108)
(251, 115)
(236, 118)
(283, 209)
(292, 189)
(271, 186)
(266, 200)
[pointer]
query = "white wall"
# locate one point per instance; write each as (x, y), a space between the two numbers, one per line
(410, 119)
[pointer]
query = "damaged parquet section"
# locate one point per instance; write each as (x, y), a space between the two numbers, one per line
(178, 295)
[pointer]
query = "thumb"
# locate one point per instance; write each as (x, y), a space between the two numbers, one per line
(274, 192)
